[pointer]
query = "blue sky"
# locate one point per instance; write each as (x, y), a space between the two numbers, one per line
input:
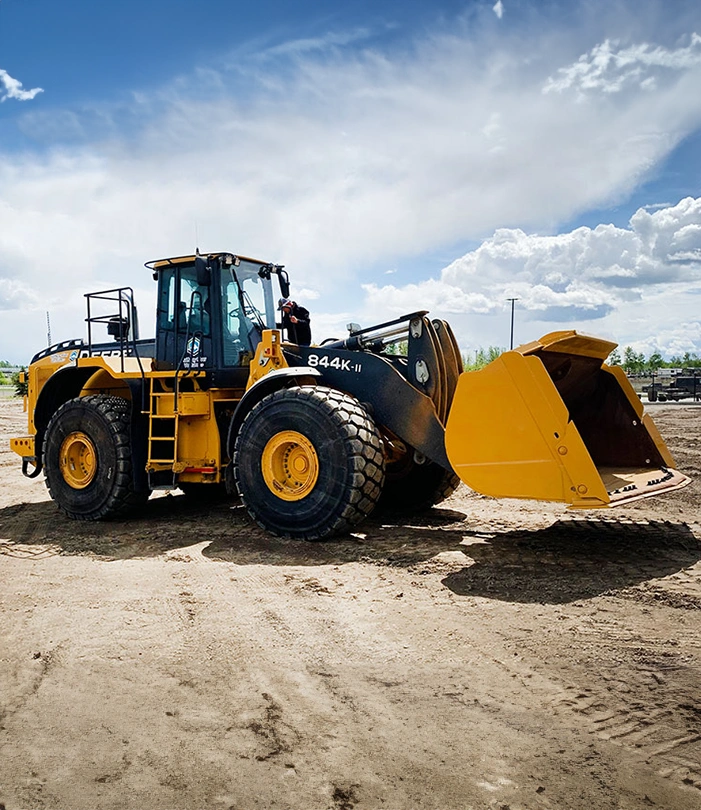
(393, 155)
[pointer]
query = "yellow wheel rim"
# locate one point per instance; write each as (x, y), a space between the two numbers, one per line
(290, 465)
(78, 460)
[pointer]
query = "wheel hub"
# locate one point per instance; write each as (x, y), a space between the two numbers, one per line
(290, 465)
(78, 460)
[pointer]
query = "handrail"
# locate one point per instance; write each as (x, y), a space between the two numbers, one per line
(124, 296)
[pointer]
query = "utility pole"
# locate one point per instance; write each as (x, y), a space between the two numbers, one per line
(48, 328)
(513, 301)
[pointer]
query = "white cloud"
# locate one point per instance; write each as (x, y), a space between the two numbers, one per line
(569, 280)
(674, 339)
(15, 295)
(11, 88)
(498, 9)
(436, 296)
(306, 294)
(610, 69)
(345, 164)
(298, 47)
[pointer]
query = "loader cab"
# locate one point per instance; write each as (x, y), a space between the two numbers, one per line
(211, 312)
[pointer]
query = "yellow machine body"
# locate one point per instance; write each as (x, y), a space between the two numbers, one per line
(312, 437)
(551, 421)
(183, 434)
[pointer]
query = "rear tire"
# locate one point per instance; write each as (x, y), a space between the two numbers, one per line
(308, 462)
(412, 487)
(87, 458)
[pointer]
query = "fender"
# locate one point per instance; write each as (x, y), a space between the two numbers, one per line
(66, 383)
(274, 380)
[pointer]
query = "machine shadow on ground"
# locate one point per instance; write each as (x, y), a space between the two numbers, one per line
(568, 560)
(574, 559)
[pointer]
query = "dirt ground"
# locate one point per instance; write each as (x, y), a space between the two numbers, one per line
(485, 654)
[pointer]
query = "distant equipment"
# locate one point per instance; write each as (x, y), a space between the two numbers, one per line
(684, 385)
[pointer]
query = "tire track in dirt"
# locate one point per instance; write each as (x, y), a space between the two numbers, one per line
(251, 671)
(204, 589)
(631, 549)
(653, 734)
(26, 682)
(269, 726)
(28, 551)
(640, 689)
(659, 719)
(307, 692)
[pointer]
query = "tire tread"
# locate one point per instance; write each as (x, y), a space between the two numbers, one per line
(117, 414)
(364, 453)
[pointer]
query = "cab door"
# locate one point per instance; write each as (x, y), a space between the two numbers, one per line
(184, 315)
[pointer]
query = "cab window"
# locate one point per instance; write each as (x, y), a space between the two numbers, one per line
(238, 331)
(184, 305)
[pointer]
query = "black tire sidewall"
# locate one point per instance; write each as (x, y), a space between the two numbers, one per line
(315, 419)
(84, 416)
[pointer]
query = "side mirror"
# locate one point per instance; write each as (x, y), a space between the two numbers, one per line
(203, 272)
(284, 283)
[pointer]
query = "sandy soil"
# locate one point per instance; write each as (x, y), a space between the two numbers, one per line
(483, 655)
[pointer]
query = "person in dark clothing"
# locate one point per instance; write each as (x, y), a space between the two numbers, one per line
(295, 320)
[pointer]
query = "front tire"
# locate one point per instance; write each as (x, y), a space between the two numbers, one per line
(308, 462)
(87, 458)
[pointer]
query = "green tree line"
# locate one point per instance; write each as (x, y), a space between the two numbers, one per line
(632, 362)
(473, 361)
(636, 363)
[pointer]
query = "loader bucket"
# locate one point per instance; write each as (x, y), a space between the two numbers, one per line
(551, 421)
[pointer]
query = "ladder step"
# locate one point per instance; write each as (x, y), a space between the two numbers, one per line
(161, 479)
(160, 445)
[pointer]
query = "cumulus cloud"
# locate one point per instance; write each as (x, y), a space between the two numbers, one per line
(573, 278)
(498, 9)
(658, 248)
(11, 88)
(610, 68)
(434, 295)
(674, 339)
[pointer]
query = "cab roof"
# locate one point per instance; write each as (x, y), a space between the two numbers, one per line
(159, 264)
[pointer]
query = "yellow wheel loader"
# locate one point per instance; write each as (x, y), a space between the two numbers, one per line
(312, 438)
